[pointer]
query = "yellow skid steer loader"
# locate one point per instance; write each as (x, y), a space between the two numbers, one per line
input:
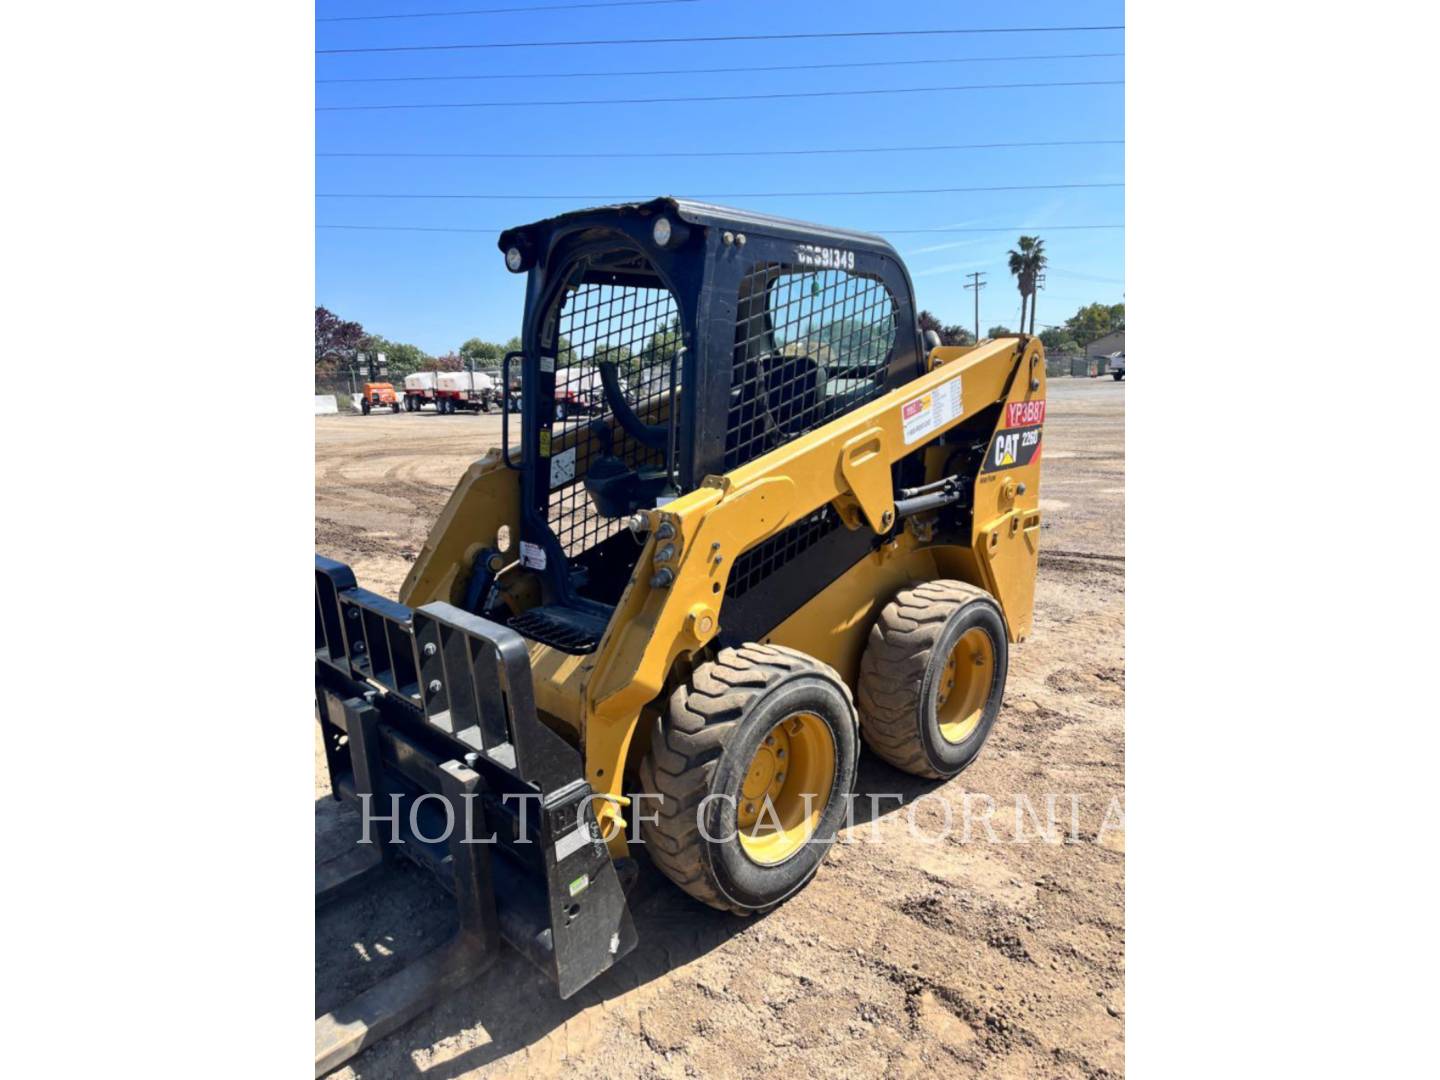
(783, 523)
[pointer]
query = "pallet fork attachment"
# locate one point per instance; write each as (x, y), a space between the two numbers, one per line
(429, 721)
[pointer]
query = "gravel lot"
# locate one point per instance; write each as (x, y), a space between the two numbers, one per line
(913, 951)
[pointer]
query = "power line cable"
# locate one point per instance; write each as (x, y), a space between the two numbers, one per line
(728, 153)
(717, 97)
(1084, 277)
(724, 70)
(816, 36)
(721, 194)
(494, 231)
(498, 11)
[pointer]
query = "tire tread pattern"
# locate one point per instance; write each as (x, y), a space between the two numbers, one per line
(686, 745)
(894, 663)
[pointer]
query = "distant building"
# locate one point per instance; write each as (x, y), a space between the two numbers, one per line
(1110, 343)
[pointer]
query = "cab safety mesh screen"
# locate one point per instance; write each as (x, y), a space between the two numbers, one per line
(809, 345)
(638, 329)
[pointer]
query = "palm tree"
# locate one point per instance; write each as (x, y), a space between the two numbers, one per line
(1026, 264)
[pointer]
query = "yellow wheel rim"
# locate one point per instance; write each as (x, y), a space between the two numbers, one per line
(964, 685)
(796, 759)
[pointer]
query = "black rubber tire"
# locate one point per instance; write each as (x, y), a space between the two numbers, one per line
(703, 746)
(1119, 375)
(907, 650)
(395, 407)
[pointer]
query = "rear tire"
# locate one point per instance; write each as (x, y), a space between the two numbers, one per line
(1119, 376)
(737, 715)
(932, 678)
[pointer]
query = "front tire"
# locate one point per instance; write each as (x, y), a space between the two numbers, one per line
(933, 677)
(739, 748)
(1119, 376)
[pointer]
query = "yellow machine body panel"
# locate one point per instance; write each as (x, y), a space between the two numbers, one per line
(599, 696)
(486, 500)
(844, 463)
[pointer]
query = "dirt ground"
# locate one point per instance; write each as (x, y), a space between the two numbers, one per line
(914, 951)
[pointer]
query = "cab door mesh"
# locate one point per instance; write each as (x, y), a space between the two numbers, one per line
(638, 328)
(809, 346)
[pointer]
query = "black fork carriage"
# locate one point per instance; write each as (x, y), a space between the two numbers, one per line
(429, 720)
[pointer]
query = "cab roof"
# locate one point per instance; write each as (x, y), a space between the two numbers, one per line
(691, 212)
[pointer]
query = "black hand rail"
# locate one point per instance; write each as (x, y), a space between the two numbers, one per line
(505, 409)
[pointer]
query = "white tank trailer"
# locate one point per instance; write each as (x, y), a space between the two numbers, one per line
(419, 390)
(464, 391)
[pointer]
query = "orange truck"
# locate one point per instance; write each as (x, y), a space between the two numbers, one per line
(378, 395)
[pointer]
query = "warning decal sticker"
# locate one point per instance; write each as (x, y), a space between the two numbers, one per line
(532, 555)
(931, 411)
(1011, 448)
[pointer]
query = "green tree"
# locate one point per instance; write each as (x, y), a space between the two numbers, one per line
(482, 355)
(1094, 321)
(652, 368)
(999, 331)
(400, 359)
(1026, 264)
(1058, 339)
(955, 334)
(337, 341)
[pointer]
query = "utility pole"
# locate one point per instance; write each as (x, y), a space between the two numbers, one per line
(1034, 296)
(977, 285)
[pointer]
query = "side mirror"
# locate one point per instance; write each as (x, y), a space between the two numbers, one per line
(932, 341)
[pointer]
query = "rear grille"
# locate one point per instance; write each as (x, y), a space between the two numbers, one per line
(755, 565)
(809, 346)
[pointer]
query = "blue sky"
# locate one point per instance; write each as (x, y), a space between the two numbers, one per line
(436, 289)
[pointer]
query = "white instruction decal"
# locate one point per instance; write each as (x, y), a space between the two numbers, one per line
(562, 468)
(931, 411)
(573, 841)
(547, 364)
(532, 555)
